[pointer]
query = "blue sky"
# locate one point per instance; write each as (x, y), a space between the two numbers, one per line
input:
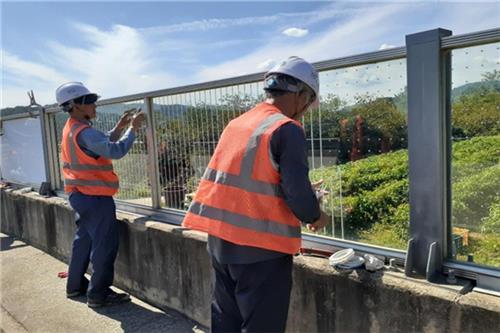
(120, 48)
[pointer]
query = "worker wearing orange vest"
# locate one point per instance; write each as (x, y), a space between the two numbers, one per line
(90, 181)
(252, 199)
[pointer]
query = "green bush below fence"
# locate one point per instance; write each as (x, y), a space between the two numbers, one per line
(374, 204)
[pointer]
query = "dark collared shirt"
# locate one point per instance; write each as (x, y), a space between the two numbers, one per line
(289, 150)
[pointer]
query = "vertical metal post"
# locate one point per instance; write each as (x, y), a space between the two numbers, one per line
(54, 151)
(45, 141)
(428, 75)
(154, 175)
(51, 150)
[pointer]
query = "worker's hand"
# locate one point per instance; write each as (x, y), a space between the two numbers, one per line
(318, 190)
(125, 119)
(316, 185)
(137, 120)
(320, 223)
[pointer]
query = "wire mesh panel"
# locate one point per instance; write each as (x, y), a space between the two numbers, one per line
(132, 169)
(358, 146)
(187, 130)
(475, 164)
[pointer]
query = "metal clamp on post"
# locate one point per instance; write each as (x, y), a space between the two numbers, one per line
(433, 266)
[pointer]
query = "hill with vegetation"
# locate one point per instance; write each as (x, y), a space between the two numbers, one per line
(375, 208)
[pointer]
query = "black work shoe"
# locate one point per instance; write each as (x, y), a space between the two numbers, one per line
(79, 292)
(112, 299)
(75, 294)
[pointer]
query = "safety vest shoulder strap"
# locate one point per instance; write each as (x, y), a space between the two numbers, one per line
(254, 141)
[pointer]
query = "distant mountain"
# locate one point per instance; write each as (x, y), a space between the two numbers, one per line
(172, 110)
(176, 110)
(473, 87)
(19, 109)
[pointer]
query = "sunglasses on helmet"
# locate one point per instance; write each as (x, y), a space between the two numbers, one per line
(87, 99)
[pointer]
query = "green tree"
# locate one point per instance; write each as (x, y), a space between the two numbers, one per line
(477, 113)
(491, 76)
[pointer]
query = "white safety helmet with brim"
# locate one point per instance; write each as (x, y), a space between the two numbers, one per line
(299, 69)
(70, 91)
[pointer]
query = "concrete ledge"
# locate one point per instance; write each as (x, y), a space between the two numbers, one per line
(168, 266)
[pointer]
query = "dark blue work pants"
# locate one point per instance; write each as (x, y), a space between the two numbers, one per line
(96, 240)
(252, 297)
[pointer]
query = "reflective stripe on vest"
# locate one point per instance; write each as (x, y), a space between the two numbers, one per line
(83, 182)
(243, 221)
(87, 167)
(243, 183)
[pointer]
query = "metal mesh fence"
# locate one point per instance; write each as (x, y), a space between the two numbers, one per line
(135, 186)
(357, 142)
(187, 128)
(356, 139)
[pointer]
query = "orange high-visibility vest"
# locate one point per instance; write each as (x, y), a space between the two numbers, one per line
(239, 198)
(81, 172)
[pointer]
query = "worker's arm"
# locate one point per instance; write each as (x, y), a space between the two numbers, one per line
(289, 150)
(100, 144)
(115, 133)
(122, 123)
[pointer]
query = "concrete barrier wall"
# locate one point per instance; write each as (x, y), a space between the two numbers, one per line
(168, 266)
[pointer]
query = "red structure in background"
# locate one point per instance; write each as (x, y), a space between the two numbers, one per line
(357, 139)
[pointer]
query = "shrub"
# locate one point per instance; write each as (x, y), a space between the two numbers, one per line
(491, 223)
(375, 192)
(473, 196)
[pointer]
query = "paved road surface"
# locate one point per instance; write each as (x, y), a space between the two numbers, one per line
(33, 299)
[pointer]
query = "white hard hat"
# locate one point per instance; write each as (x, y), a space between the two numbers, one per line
(71, 90)
(299, 69)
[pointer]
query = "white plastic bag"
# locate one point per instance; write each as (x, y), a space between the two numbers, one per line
(373, 263)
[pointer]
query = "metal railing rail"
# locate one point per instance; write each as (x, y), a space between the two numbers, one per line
(471, 39)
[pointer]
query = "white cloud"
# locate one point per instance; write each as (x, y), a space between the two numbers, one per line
(209, 24)
(357, 32)
(340, 40)
(124, 60)
(295, 32)
(112, 63)
(22, 70)
(267, 64)
(386, 46)
(469, 64)
(23, 76)
(309, 17)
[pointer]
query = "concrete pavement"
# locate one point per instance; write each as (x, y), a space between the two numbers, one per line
(33, 299)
